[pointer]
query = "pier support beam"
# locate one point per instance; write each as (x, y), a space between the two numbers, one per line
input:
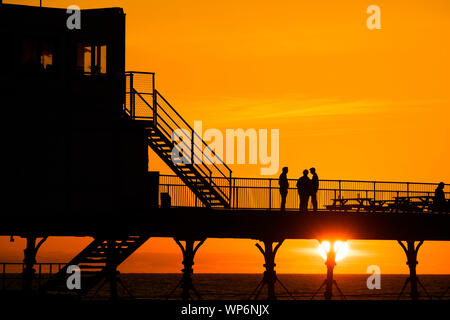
(411, 252)
(270, 276)
(329, 282)
(29, 261)
(112, 262)
(188, 250)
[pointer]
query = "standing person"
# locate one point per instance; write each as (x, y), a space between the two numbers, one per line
(284, 186)
(314, 188)
(439, 202)
(303, 188)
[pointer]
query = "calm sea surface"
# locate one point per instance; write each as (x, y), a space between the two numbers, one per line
(241, 286)
(301, 286)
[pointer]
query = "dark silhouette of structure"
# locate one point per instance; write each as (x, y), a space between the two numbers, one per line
(329, 282)
(304, 191)
(188, 250)
(314, 188)
(284, 187)
(411, 251)
(80, 134)
(70, 151)
(76, 159)
(269, 276)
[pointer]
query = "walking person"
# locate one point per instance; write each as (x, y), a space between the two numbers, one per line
(284, 186)
(314, 188)
(439, 202)
(304, 191)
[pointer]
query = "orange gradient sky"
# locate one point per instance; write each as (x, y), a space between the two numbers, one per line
(355, 103)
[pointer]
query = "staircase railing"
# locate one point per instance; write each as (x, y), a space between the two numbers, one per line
(144, 83)
(164, 116)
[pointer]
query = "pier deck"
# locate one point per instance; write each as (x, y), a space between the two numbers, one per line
(200, 223)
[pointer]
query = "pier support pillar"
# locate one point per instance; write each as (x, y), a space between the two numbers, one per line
(29, 261)
(330, 263)
(270, 276)
(329, 282)
(411, 252)
(112, 262)
(188, 250)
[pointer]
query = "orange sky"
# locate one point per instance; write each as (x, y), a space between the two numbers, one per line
(355, 103)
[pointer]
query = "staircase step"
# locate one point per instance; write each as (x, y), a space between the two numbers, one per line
(103, 259)
(91, 267)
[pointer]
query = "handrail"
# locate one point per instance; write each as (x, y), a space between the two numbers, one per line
(167, 134)
(217, 188)
(168, 122)
(204, 143)
(139, 72)
(157, 93)
(162, 119)
(39, 272)
(262, 193)
(333, 180)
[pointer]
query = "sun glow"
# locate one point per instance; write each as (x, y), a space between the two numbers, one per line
(340, 248)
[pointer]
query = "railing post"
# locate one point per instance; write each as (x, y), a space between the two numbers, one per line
(231, 191)
(153, 83)
(4, 277)
(39, 275)
(407, 189)
(132, 97)
(340, 191)
(192, 148)
(374, 190)
(270, 194)
(155, 107)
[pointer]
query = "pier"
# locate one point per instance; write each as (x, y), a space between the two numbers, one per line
(92, 125)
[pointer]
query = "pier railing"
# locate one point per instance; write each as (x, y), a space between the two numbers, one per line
(263, 193)
(11, 274)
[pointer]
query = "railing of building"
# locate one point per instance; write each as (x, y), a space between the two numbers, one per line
(263, 193)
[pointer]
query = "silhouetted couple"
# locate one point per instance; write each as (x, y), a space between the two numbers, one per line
(306, 188)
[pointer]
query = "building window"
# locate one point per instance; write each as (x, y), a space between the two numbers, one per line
(91, 59)
(37, 55)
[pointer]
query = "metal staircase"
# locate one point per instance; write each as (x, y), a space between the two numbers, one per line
(145, 105)
(148, 107)
(97, 261)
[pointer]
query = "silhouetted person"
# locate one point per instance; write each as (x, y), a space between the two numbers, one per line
(314, 188)
(284, 186)
(439, 202)
(304, 190)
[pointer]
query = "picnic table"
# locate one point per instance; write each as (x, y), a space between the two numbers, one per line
(342, 204)
(379, 205)
(413, 203)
